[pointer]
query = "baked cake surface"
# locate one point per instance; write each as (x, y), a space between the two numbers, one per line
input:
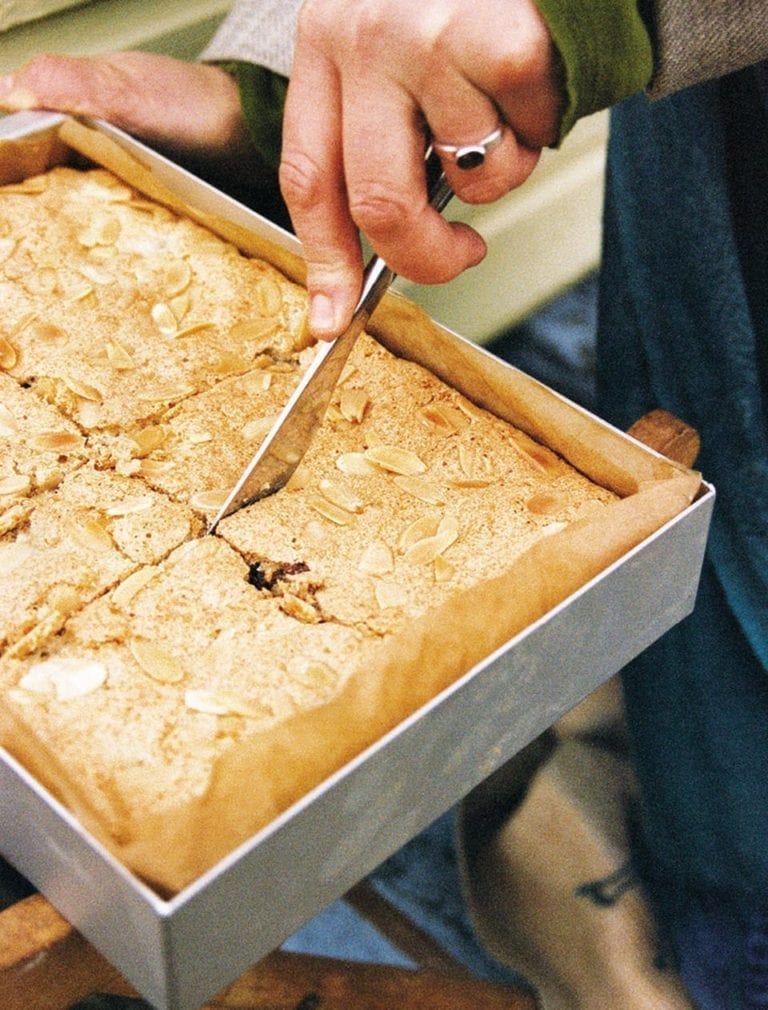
(150, 672)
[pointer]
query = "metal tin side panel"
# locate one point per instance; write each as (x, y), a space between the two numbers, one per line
(364, 813)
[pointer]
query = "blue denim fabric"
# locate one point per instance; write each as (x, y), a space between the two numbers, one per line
(723, 954)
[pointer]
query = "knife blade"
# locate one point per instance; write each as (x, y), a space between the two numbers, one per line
(287, 441)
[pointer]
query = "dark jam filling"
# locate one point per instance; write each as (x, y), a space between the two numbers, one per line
(266, 576)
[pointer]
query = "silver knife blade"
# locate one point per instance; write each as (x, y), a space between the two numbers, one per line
(288, 440)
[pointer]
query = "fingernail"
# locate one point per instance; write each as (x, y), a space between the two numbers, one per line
(322, 315)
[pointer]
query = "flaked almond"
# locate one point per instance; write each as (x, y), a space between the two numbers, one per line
(545, 503)
(56, 441)
(8, 353)
(257, 428)
(444, 570)
(22, 322)
(220, 702)
(442, 419)
(188, 331)
(425, 526)
(156, 662)
(78, 291)
(339, 495)
(472, 412)
(179, 305)
(102, 230)
(67, 678)
(82, 389)
(390, 594)
(395, 460)
(164, 319)
(230, 363)
(376, 559)
(257, 382)
(91, 535)
(424, 552)
(253, 329)
(153, 469)
(302, 610)
(130, 506)
(15, 484)
(47, 333)
(132, 585)
(8, 424)
(334, 514)
(353, 403)
(44, 281)
(118, 356)
(148, 439)
(198, 437)
(177, 277)
(14, 516)
(96, 274)
(269, 297)
(208, 501)
(311, 673)
(469, 482)
(165, 394)
(355, 464)
(422, 489)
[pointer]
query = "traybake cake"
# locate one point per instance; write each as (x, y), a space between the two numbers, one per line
(178, 690)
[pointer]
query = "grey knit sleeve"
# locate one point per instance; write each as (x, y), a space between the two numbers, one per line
(257, 31)
(697, 40)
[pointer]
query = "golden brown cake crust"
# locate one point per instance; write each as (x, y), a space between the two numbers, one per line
(148, 671)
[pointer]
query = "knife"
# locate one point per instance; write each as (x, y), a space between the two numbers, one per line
(288, 440)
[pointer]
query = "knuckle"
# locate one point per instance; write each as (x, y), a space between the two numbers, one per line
(377, 209)
(301, 180)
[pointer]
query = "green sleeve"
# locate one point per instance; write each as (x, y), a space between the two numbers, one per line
(605, 49)
(262, 98)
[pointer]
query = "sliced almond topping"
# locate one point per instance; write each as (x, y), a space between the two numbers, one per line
(42, 282)
(424, 552)
(66, 678)
(339, 516)
(78, 291)
(8, 353)
(15, 484)
(353, 404)
(390, 594)
(56, 441)
(179, 305)
(118, 357)
(177, 277)
(188, 331)
(149, 439)
(8, 424)
(544, 503)
(376, 559)
(82, 389)
(256, 429)
(470, 482)
(97, 275)
(91, 535)
(444, 570)
(468, 408)
(23, 322)
(269, 297)
(132, 585)
(341, 496)
(253, 329)
(45, 332)
(152, 469)
(303, 611)
(220, 702)
(164, 319)
(162, 394)
(199, 437)
(156, 662)
(422, 489)
(311, 673)
(208, 501)
(131, 506)
(437, 418)
(425, 526)
(355, 464)
(395, 460)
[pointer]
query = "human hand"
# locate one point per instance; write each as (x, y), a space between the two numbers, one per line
(191, 109)
(369, 83)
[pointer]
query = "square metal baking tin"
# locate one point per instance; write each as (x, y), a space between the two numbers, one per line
(180, 952)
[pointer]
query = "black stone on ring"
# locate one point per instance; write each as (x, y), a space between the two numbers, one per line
(467, 156)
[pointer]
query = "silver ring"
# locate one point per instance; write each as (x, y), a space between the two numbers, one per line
(466, 156)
